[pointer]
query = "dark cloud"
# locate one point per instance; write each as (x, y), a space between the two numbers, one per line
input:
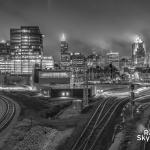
(146, 37)
(88, 24)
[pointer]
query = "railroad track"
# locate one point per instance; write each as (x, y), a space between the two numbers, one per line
(91, 136)
(8, 114)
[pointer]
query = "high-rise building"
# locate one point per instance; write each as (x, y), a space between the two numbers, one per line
(26, 46)
(65, 55)
(113, 58)
(138, 52)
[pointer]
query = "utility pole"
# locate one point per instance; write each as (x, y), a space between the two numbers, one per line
(85, 90)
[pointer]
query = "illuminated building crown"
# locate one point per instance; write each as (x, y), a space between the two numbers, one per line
(63, 37)
(138, 40)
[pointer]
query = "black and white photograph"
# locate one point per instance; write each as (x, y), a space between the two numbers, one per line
(74, 74)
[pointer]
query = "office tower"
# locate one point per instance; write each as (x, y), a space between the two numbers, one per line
(113, 58)
(26, 46)
(138, 52)
(65, 55)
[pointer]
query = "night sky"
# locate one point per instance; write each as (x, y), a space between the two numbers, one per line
(90, 25)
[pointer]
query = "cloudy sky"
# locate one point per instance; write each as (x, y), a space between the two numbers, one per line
(88, 24)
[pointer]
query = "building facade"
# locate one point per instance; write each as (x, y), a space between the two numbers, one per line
(93, 60)
(26, 45)
(47, 63)
(54, 77)
(4, 50)
(78, 65)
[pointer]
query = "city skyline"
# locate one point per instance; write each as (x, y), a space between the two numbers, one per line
(87, 24)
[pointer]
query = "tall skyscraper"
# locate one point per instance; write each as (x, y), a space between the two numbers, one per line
(26, 46)
(65, 55)
(138, 52)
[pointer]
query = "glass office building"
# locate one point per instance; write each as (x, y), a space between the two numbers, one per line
(26, 46)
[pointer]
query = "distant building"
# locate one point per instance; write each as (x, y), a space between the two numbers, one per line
(6, 65)
(125, 62)
(47, 62)
(147, 59)
(77, 61)
(138, 53)
(113, 58)
(54, 77)
(65, 55)
(57, 65)
(26, 44)
(145, 75)
(93, 60)
(78, 66)
(4, 50)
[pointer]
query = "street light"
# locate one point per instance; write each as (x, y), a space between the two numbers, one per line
(63, 93)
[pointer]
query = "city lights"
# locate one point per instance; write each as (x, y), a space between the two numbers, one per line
(67, 93)
(25, 49)
(63, 94)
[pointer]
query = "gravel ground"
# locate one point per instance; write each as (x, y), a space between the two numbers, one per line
(42, 138)
(25, 137)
